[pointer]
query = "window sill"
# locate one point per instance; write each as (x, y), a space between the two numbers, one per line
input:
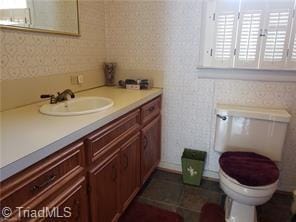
(247, 74)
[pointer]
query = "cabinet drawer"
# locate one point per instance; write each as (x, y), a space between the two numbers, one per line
(71, 203)
(103, 141)
(150, 110)
(30, 184)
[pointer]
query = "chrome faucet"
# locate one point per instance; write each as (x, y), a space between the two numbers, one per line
(63, 96)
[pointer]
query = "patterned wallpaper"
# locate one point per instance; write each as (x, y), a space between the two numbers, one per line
(164, 36)
(30, 54)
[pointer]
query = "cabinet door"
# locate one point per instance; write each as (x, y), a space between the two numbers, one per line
(104, 191)
(71, 203)
(68, 204)
(150, 149)
(130, 170)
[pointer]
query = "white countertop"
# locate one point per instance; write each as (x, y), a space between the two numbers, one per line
(28, 136)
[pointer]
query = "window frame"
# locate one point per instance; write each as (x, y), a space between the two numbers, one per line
(207, 57)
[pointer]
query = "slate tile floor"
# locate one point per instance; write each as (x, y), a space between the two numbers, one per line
(166, 190)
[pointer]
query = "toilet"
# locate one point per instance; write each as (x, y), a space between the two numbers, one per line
(250, 141)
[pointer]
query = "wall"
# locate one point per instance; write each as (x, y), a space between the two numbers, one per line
(36, 63)
(159, 39)
(162, 39)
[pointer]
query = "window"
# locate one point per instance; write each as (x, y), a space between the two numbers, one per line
(250, 34)
(13, 4)
(14, 12)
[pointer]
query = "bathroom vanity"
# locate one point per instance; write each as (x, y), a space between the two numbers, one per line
(99, 174)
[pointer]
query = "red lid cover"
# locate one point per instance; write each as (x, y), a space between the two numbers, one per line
(250, 169)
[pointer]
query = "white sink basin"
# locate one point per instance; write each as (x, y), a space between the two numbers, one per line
(77, 106)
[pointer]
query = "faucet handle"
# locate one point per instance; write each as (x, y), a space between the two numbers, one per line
(52, 98)
(45, 96)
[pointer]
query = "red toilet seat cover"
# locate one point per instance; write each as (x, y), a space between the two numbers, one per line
(250, 169)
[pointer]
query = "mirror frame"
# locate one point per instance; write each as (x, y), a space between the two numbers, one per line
(19, 28)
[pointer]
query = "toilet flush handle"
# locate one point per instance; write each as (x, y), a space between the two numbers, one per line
(222, 117)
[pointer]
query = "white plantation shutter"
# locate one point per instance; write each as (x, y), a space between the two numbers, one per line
(220, 32)
(250, 34)
(276, 40)
(224, 42)
(248, 43)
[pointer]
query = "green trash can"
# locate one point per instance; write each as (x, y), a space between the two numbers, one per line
(193, 166)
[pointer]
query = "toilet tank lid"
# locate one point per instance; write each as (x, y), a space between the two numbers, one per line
(279, 115)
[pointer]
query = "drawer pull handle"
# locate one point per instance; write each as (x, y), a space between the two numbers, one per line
(49, 180)
(145, 140)
(151, 109)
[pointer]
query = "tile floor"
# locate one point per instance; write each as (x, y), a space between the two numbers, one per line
(166, 190)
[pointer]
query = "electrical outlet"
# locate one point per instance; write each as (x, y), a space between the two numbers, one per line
(80, 79)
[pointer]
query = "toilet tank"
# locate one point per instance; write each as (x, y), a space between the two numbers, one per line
(251, 129)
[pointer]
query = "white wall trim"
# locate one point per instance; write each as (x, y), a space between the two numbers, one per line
(178, 168)
(247, 74)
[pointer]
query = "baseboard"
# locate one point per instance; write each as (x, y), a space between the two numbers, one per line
(176, 168)
(170, 166)
(208, 174)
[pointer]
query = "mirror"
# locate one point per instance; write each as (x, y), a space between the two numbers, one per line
(54, 16)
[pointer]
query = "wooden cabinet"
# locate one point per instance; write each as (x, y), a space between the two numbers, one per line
(150, 150)
(101, 143)
(104, 190)
(129, 170)
(29, 188)
(150, 110)
(115, 181)
(70, 204)
(96, 177)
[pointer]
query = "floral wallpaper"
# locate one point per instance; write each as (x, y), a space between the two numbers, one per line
(165, 36)
(32, 54)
